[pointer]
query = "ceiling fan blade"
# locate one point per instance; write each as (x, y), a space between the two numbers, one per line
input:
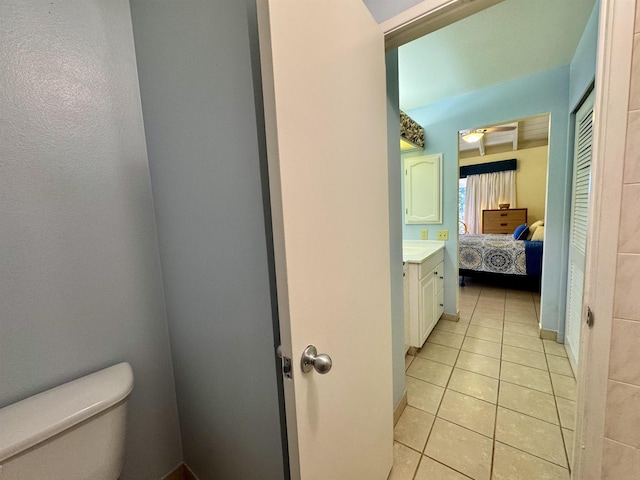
(496, 129)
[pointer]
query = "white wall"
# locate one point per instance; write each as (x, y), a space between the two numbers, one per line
(196, 63)
(80, 286)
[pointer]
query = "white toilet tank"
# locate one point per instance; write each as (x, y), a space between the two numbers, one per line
(72, 432)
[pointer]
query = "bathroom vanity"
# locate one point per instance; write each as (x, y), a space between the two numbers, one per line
(424, 287)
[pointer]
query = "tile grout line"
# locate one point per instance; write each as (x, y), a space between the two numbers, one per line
(495, 422)
(555, 402)
(423, 453)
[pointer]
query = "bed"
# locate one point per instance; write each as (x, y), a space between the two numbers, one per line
(499, 254)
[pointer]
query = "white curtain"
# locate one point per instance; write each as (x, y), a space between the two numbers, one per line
(485, 192)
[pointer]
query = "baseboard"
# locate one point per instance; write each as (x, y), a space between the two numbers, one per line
(397, 412)
(547, 334)
(181, 472)
(452, 317)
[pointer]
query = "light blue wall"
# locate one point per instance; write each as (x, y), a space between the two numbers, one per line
(80, 287)
(385, 9)
(395, 226)
(582, 69)
(532, 95)
(198, 71)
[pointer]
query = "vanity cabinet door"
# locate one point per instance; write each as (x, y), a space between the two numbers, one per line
(422, 189)
(426, 308)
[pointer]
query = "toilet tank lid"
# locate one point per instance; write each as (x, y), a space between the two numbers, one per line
(35, 419)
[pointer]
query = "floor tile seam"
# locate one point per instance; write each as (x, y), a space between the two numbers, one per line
(569, 376)
(448, 466)
(522, 364)
(525, 334)
(554, 355)
(446, 331)
(529, 453)
(439, 404)
(477, 373)
(495, 423)
(484, 326)
(478, 338)
(550, 353)
(417, 467)
(438, 361)
(519, 346)
(559, 373)
(469, 351)
(468, 394)
(566, 449)
(426, 381)
(442, 344)
(526, 414)
(467, 428)
(564, 398)
(525, 386)
(534, 322)
(555, 401)
(408, 446)
(462, 426)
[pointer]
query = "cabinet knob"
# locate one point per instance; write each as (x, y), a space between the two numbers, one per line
(442, 305)
(435, 273)
(441, 277)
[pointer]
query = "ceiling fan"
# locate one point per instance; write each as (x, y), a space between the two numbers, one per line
(472, 136)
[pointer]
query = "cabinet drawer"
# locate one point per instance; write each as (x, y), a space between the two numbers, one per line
(503, 221)
(430, 263)
(500, 226)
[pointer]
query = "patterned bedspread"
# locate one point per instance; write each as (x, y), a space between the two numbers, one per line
(492, 253)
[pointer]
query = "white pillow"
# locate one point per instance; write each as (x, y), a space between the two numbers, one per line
(533, 227)
(538, 234)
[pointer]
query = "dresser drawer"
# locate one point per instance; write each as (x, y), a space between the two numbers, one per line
(503, 221)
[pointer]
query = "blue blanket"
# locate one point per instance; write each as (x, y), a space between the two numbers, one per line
(500, 254)
(533, 257)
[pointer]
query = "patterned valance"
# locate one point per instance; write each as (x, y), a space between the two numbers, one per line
(411, 131)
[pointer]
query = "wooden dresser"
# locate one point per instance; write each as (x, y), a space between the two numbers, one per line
(503, 221)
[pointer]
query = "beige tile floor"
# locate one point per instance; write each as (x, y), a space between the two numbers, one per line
(487, 399)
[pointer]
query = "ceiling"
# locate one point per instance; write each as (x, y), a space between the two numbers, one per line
(528, 132)
(510, 40)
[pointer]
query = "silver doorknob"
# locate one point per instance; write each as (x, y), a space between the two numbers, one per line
(310, 359)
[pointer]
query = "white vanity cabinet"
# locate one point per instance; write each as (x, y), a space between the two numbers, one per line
(426, 295)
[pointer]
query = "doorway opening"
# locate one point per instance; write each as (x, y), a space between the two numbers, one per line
(498, 320)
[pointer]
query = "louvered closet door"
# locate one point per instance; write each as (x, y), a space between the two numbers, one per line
(579, 215)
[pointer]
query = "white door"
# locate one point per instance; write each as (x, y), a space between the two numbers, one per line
(325, 110)
(579, 213)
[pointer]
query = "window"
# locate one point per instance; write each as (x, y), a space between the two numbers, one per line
(462, 192)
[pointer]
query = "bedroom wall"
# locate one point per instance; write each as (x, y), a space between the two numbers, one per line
(532, 95)
(531, 177)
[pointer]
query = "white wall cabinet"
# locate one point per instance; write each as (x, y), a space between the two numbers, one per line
(426, 297)
(423, 189)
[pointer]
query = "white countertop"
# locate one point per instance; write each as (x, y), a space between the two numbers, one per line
(417, 251)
